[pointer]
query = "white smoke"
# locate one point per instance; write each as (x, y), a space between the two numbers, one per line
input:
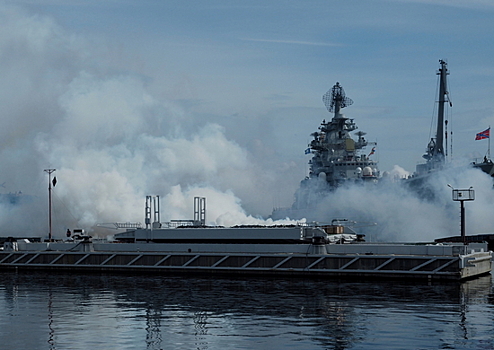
(112, 152)
(111, 141)
(223, 209)
(401, 214)
(398, 173)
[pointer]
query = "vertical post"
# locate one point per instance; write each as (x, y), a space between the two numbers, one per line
(462, 220)
(156, 206)
(147, 212)
(489, 145)
(49, 171)
(446, 138)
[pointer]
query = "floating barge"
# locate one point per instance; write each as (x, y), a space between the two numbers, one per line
(304, 259)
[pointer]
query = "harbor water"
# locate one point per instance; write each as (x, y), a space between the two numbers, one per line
(65, 311)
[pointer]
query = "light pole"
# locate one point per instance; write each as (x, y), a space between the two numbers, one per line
(49, 171)
(462, 195)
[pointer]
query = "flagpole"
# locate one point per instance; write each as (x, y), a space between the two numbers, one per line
(489, 146)
(49, 171)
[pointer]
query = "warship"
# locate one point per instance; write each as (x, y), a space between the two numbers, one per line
(337, 158)
(340, 160)
(436, 153)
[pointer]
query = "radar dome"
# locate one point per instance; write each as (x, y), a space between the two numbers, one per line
(367, 171)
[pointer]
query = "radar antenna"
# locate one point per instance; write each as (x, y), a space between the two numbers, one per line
(335, 99)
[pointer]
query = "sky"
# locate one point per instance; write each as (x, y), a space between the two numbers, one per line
(219, 98)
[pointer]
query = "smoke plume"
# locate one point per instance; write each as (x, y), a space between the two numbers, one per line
(70, 104)
(395, 211)
(111, 141)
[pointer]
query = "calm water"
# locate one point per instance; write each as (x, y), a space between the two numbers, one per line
(42, 311)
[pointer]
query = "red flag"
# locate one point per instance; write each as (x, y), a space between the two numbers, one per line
(483, 135)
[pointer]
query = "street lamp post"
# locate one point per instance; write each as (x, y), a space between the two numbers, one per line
(49, 171)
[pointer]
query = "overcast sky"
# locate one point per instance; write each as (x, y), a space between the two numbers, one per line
(151, 95)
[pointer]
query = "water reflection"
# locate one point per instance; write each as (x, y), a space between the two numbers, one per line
(117, 312)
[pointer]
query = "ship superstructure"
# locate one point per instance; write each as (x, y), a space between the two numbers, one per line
(338, 158)
(436, 153)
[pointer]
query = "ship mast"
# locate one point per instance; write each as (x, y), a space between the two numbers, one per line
(435, 149)
(438, 152)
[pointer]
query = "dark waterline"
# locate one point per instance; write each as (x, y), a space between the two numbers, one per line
(43, 311)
